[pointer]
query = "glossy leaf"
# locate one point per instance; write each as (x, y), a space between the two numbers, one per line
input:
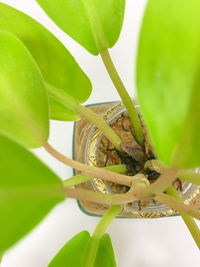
(168, 79)
(57, 65)
(73, 252)
(94, 24)
(28, 191)
(105, 255)
(24, 113)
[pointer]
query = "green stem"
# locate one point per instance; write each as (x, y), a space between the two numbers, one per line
(189, 221)
(101, 124)
(93, 245)
(80, 178)
(124, 96)
(178, 205)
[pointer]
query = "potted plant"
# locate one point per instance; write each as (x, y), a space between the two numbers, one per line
(39, 80)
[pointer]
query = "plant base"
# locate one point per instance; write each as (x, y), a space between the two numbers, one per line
(92, 148)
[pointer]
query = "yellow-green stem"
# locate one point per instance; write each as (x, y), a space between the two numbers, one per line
(93, 245)
(178, 205)
(101, 124)
(78, 179)
(189, 221)
(124, 96)
(90, 170)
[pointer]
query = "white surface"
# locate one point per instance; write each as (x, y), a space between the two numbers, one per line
(137, 242)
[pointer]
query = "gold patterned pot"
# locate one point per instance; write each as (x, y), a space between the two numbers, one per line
(88, 144)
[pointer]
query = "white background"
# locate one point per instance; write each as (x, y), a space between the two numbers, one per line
(137, 242)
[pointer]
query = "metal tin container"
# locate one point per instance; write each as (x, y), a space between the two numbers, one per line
(87, 139)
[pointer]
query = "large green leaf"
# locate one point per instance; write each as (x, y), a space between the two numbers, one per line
(105, 255)
(73, 252)
(168, 79)
(94, 24)
(24, 113)
(28, 191)
(57, 65)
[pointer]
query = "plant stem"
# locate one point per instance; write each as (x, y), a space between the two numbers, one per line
(79, 179)
(96, 197)
(189, 221)
(93, 245)
(124, 96)
(162, 183)
(178, 205)
(90, 170)
(85, 112)
(101, 124)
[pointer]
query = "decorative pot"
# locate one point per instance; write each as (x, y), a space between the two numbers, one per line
(88, 144)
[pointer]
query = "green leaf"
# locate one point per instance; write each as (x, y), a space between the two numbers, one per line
(57, 65)
(168, 79)
(105, 255)
(24, 114)
(94, 24)
(73, 252)
(58, 111)
(28, 191)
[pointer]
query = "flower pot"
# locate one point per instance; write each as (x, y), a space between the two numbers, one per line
(90, 148)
